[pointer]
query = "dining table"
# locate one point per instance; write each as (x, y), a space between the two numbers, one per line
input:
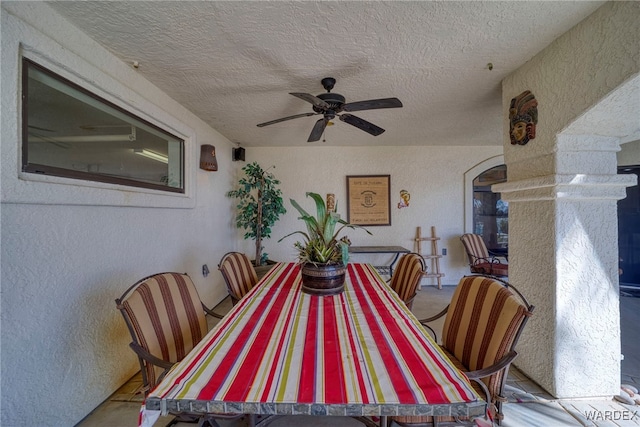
(282, 352)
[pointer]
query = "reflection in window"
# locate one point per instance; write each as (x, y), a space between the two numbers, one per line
(72, 133)
(490, 212)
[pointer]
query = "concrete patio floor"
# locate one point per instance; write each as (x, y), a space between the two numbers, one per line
(528, 404)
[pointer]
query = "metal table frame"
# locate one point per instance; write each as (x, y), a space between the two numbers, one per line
(382, 269)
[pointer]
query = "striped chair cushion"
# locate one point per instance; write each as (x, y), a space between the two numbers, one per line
(238, 273)
(475, 247)
(479, 259)
(481, 325)
(167, 317)
(406, 277)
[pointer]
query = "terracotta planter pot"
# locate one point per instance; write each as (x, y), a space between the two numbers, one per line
(263, 269)
(323, 279)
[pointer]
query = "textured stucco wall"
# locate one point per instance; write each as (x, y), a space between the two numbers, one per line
(69, 248)
(432, 175)
(562, 192)
(570, 77)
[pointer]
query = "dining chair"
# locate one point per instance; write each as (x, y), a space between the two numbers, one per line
(166, 319)
(238, 274)
(406, 276)
(483, 323)
(481, 261)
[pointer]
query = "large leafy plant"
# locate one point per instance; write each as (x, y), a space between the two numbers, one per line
(320, 243)
(259, 205)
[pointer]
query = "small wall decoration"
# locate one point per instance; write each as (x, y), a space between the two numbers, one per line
(331, 202)
(208, 159)
(523, 117)
(404, 199)
(369, 199)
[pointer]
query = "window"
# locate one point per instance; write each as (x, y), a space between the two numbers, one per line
(490, 212)
(70, 132)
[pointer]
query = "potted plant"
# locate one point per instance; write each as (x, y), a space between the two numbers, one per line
(259, 206)
(322, 255)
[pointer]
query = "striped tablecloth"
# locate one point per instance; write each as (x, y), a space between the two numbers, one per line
(281, 351)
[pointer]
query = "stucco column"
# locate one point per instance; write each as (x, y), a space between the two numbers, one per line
(563, 256)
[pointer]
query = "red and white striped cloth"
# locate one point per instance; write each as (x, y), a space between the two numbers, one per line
(279, 345)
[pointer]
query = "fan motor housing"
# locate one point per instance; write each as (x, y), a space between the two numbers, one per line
(335, 101)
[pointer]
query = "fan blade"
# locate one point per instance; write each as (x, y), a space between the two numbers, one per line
(318, 130)
(317, 102)
(286, 118)
(361, 124)
(372, 104)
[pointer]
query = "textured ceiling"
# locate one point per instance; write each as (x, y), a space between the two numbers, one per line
(233, 64)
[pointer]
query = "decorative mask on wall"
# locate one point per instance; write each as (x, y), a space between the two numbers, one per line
(523, 117)
(405, 196)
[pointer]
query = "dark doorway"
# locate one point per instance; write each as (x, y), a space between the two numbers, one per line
(629, 235)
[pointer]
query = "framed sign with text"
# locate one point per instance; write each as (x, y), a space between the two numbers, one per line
(369, 199)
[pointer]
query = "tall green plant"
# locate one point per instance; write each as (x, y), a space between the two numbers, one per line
(321, 244)
(259, 205)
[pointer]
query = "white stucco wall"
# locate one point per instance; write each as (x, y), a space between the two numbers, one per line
(69, 249)
(562, 190)
(433, 176)
(570, 77)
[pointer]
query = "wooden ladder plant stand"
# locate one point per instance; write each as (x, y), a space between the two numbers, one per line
(434, 256)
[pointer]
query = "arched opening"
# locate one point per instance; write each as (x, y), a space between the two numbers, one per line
(469, 176)
(490, 212)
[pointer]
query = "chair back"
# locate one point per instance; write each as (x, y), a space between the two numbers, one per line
(238, 274)
(165, 317)
(475, 247)
(483, 323)
(406, 276)
(480, 259)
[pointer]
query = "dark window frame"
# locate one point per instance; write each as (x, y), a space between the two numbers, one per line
(41, 169)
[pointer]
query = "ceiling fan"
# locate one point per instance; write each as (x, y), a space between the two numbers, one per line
(331, 105)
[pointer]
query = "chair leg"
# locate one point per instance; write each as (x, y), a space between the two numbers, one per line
(184, 419)
(368, 421)
(208, 422)
(265, 420)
